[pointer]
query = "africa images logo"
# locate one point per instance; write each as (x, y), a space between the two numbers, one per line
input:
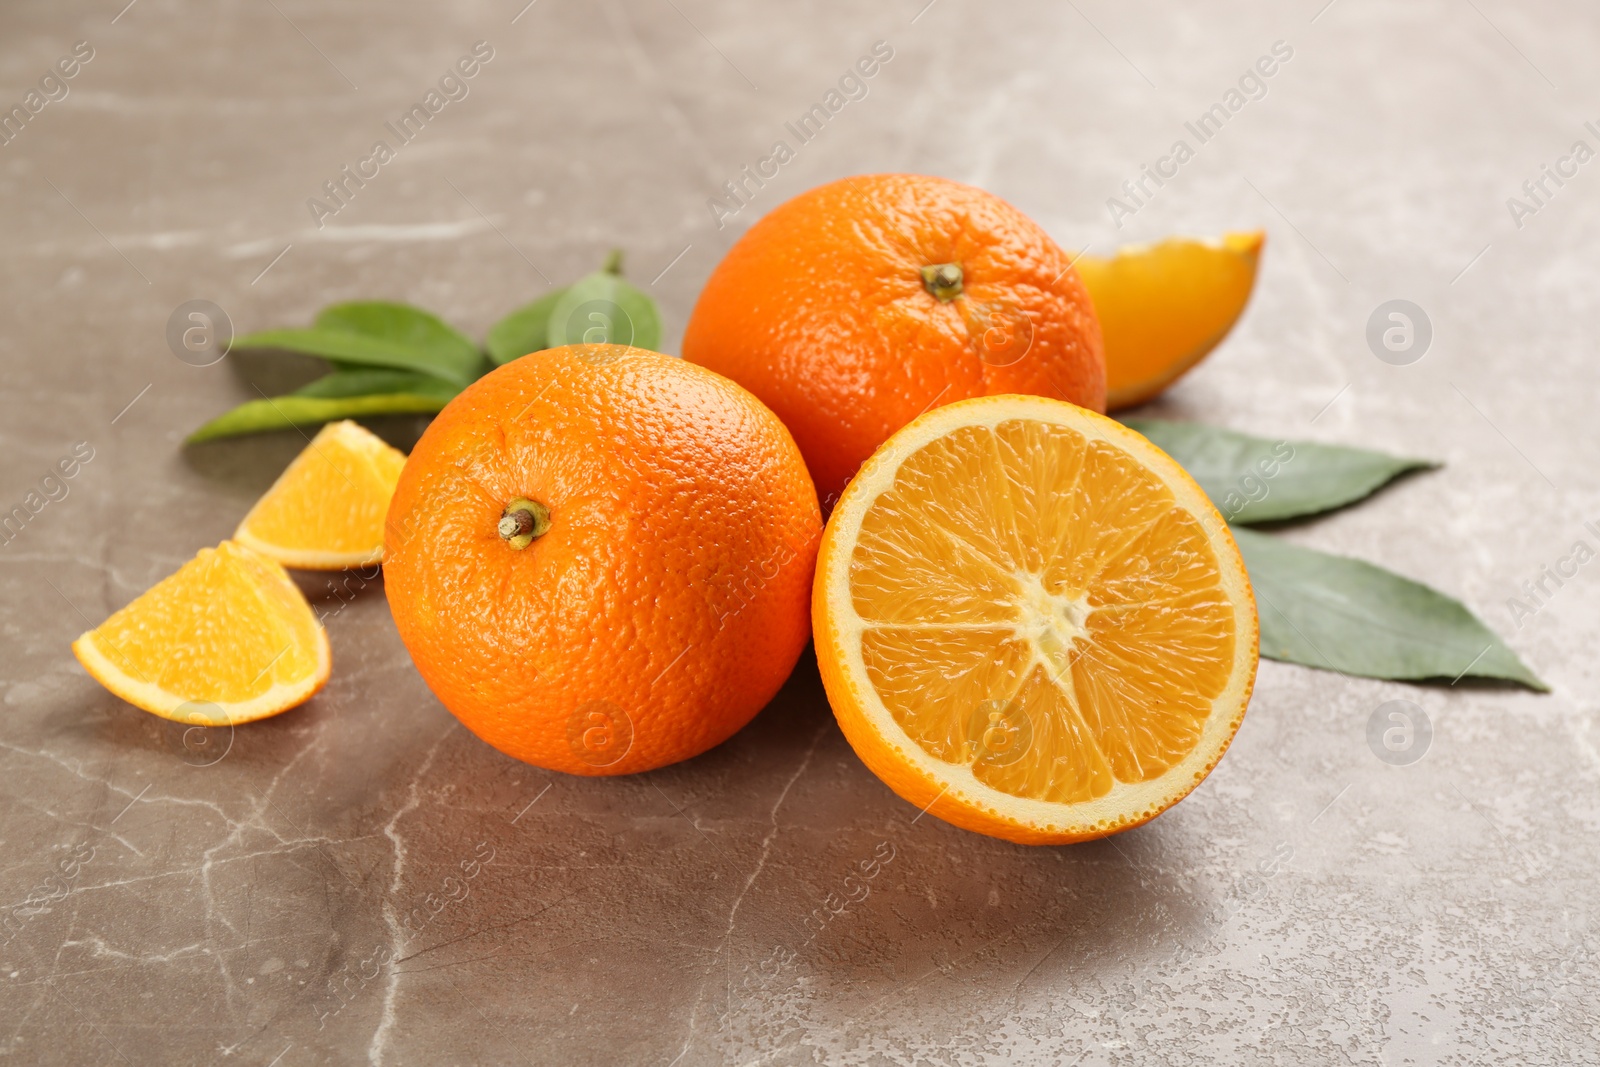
(852, 86)
(53, 88)
(453, 86)
(1252, 85)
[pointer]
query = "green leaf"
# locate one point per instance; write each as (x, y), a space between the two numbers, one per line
(1252, 479)
(351, 348)
(283, 412)
(378, 334)
(1345, 615)
(525, 330)
(604, 308)
(372, 381)
(406, 326)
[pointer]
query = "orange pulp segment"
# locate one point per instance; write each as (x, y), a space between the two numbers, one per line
(326, 510)
(1164, 307)
(226, 639)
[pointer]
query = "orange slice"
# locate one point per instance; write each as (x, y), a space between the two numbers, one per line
(325, 512)
(1031, 622)
(1164, 307)
(228, 638)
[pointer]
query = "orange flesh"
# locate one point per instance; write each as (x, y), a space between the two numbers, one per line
(1164, 307)
(326, 510)
(228, 628)
(1094, 617)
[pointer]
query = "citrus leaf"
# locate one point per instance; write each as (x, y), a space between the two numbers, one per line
(379, 334)
(604, 308)
(371, 381)
(350, 348)
(525, 330)
(408, 327)
(1346, 615)
(281, 413)
(1253, 479)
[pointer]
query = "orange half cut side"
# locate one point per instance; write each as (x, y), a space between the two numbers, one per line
(1031, 622)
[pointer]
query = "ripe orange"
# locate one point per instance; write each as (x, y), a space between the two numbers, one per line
(857, 306)
(600, 558)
(325, 511)
(1031, 622)
(228, 638)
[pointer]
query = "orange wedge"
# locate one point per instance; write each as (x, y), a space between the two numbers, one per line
(325, 512)
(1031, 622)
(1163, 307)
(227, 639)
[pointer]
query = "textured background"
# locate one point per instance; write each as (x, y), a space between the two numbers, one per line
(237, 899)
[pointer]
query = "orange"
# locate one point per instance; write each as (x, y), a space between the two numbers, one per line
(857, 306)
(1031, 622)
(600, 558)
(227, 639)
(1164, 307)
(325, 511)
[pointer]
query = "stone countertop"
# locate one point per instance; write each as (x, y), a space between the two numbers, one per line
(238, 897)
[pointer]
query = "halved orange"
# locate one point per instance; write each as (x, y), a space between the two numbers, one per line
(325, 512)
(228, 638)
(1164, 307)
(1031, 622)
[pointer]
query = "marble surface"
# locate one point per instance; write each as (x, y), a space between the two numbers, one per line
(361, 881)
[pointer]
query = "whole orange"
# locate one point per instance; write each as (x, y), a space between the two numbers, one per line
(600, 558)
(857, 306)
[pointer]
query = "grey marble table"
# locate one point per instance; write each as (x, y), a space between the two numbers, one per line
(241, 899)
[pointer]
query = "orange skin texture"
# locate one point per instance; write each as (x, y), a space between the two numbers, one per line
(820, 310)
(673, 584)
